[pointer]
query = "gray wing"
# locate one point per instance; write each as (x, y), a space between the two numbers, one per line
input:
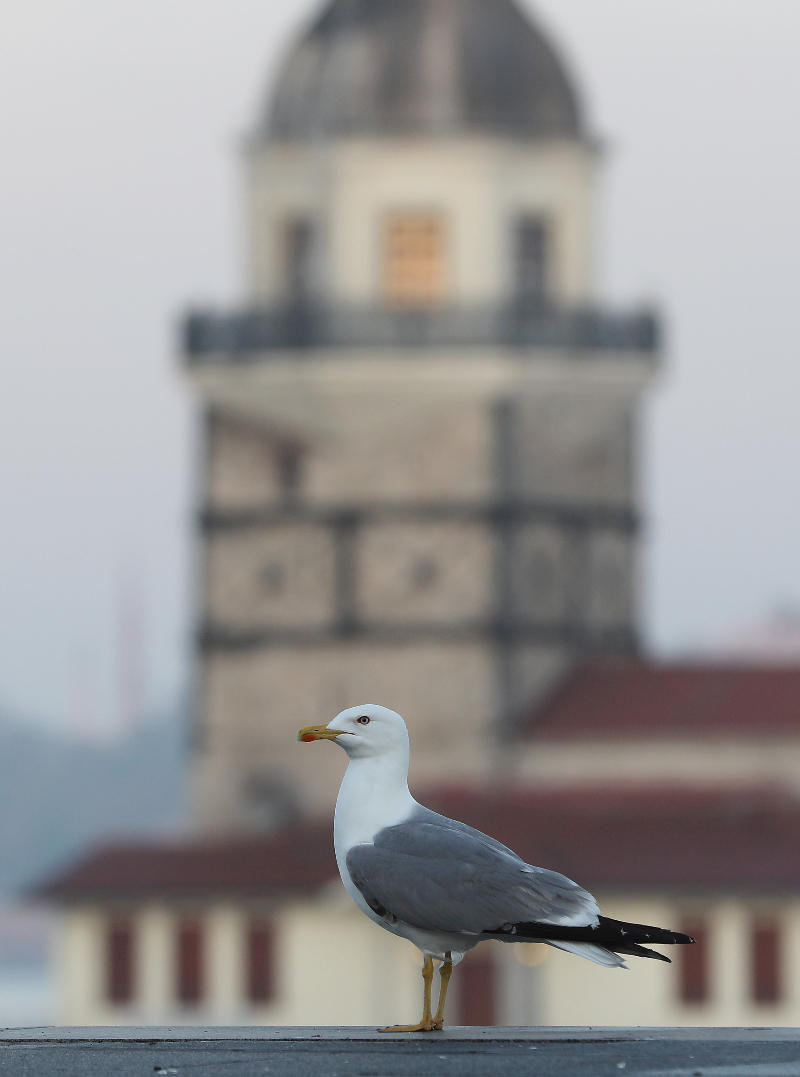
(434, 873)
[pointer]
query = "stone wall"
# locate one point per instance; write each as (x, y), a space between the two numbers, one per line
(447, 551)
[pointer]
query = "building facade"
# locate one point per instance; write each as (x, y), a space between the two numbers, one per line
(131, 965)
(420, 452)
(688, 820)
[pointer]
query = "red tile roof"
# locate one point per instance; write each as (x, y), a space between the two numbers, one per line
(296, 861)
(667, 840)
(635, 699)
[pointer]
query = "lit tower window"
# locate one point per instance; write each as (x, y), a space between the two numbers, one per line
(415, 260)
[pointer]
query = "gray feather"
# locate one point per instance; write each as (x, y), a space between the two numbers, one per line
(435, 873)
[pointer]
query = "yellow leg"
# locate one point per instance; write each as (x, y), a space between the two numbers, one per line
(445, 972)
(426, 1024)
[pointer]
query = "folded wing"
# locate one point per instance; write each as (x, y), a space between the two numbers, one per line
(437, 874)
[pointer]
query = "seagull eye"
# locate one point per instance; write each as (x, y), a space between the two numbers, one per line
(363, 720)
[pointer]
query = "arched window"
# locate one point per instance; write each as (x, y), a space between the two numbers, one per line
(260, 963)
(530, 261)
(299, 255)
(477, 988)
(694, 980)
(766, 979)
(289, 464)
(190, 962)
(120, 957)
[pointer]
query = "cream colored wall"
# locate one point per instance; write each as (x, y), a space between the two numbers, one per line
(81, 967)
(696, 762)
(479, 185)
(344, 970)
(577, 992)
(78, 964)
(290, 183)
(647, 994)
(333, 966)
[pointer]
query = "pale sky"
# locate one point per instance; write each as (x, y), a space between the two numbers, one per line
(120, 201)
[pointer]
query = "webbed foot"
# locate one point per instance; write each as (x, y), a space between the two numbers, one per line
(424, 1026)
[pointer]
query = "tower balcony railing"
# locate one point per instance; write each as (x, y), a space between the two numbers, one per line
(245, 335)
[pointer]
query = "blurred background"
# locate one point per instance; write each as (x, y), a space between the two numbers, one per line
(123, 206)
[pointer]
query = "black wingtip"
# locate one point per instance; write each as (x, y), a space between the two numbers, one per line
(643, 933)
(640, 951)
(615, 935)
(679, 937)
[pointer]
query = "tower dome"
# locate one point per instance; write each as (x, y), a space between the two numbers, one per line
(420, 68)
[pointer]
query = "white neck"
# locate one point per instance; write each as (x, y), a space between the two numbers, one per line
(374, 794)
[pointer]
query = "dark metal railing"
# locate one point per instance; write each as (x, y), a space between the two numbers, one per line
(242, 335)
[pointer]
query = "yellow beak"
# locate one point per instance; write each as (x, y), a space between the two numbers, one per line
(320, 732)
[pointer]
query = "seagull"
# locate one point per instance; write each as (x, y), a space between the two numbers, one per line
(442, 885)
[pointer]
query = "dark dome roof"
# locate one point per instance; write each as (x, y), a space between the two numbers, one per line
(422, 67)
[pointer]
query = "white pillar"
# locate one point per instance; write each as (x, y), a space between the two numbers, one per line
(79, 960)
(519, 983)
(225, 963)
(156, 964)
(729, 965)
(791, 963)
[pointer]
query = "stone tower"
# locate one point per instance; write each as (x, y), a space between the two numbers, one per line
(419, 485)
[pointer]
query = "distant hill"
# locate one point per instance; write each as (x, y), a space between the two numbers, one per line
(58, 795)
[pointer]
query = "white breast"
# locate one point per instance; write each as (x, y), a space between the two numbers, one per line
(370, 798)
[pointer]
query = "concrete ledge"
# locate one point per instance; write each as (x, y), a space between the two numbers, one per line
(206, 1051)
(359, 1033)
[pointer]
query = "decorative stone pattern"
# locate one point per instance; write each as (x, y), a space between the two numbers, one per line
(610, 573)
(425, 572)
(281, 576)
(543, 570)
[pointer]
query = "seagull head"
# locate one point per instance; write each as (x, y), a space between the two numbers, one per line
(368, 730)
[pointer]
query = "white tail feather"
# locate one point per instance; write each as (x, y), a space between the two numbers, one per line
(598, 954)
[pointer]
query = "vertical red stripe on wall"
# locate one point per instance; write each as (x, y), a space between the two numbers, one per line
(260, 962)
(119, 962)
(477, 989)
(190, 961)
(693, 963)
(765, 961)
